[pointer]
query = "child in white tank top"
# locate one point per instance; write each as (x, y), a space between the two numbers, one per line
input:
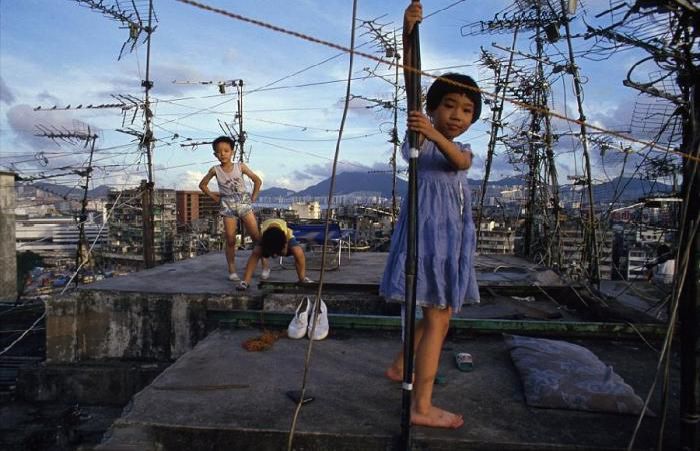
(234, 199)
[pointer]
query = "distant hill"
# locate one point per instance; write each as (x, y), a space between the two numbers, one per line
(507, 181)
(620, 189)
(72, 192)
(276, 192)
(353, 182)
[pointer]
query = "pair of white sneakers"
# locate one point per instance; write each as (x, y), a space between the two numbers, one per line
(303, 321)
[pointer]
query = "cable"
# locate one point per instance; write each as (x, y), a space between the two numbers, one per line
(317, 140)
(317, 304)
(515, 102)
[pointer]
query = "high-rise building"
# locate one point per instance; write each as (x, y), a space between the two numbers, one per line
(126, 226)
(193, 205)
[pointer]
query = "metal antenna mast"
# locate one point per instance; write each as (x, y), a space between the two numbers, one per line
(132, 19)
(667, 30)
(501, 85)
(387, 44)
(591, 232)
(75, 137)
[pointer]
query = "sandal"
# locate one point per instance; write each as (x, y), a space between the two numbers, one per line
(464, 361)
(242, 286)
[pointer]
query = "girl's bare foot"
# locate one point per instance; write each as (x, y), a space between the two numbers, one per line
(394, 374)
(436, 418)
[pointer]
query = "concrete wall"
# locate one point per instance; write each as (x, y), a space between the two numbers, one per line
(96, 325)
(8, 259)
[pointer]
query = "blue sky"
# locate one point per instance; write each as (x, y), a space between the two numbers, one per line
(57, 52)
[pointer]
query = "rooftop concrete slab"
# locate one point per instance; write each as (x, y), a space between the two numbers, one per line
(207, 274)
(219, 396)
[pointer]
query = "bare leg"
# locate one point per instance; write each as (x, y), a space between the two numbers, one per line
(252, 262)
(395, 371)
(299, 261)
(423, 413)
(230, 236)
(251, 226)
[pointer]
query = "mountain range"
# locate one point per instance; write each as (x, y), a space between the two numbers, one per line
(622, 189)
(619, 189)
(74, 193)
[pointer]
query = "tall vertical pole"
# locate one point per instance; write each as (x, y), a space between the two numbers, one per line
(552, 240)
(533, 144)
(495, 128)
(148, 229)
(413, 94)
(241, 133)
(689, 308)
(395, 136)
(592, 242)
(554, 248)
(83, 209)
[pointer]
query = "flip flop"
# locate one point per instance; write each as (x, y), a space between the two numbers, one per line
(440, 379)
(464, 361)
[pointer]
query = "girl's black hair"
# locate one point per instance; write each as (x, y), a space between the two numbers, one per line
(223, 139)
(272, 242)
(440, 88)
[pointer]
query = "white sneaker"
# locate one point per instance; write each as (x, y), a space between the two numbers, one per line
(305, 281)
(234, 277)
(321, 331)
(265, 274)
(297, 328)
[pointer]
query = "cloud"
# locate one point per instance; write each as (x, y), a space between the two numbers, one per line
(6, 95)
(312, 172)
(288, 183)
(25, 122)
(189, 180)
(320, 171)
(162, 76)
(46, 97)
(362, 107)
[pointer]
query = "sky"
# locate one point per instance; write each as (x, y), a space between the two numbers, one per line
(60, 53)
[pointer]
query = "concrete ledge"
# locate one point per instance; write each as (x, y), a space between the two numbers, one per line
(164, 437)
(348, 302)
(96, 325)
(577, 329)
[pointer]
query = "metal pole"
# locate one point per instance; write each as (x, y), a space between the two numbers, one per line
(148, 232)
(395, 136)
(241, 134)
(495, 127)
(413, 93)
(83, 210)
(594, 264)
(689, 308)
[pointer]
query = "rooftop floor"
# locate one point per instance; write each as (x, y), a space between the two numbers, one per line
(220, 395)
(207, 273)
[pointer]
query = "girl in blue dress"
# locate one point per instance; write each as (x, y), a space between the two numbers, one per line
(446, 236)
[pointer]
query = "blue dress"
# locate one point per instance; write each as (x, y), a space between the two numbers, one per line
(446, 237)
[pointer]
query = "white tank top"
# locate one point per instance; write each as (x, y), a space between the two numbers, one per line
(230, 183)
